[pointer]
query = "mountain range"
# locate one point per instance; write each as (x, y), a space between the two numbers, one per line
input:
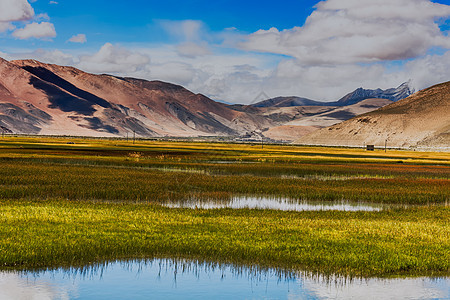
(421, 120)
(360, 94)
(48, 99)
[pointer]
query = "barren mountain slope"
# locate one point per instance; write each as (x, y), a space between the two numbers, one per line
(322, 116)
(422, 119)
(149, 108)
(25, 109)
(339, 114)
(39, 98)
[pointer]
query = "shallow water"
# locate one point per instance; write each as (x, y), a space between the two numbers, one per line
(166, 279)
(275, 204)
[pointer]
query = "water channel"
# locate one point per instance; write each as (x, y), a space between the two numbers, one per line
(169, 279)
(285, 204)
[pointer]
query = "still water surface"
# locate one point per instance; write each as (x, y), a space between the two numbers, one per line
(167, 279)
(285, 204)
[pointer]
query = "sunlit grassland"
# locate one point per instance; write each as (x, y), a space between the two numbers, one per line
(70, 204)
(120, 183)
(247, 152)
(66, 233)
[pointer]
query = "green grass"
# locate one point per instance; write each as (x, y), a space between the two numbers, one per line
(65, 233)
(72, 204)
(122, 181)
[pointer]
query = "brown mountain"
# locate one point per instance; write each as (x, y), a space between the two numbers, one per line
(38, 98)
(421, 120)
(52, 99)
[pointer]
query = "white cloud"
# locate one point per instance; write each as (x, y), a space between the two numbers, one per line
(113, 59)
(79, 38)
(49, 56)
(12, 11)
(15, 10)
(175, 72)
(409, 288)
(13, 286)
(191, 36)
(429, 70)
(4, 55)
(192, 50)
(53, 2)
(42, 16)
(329, 82)
(43, 30)
(187, 30)
(5, 26)
(351, 31)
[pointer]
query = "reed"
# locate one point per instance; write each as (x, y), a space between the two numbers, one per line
(55, 233)
(70, 204)
(131, 182)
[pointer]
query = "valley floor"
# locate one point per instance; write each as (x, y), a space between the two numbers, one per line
(70, 202)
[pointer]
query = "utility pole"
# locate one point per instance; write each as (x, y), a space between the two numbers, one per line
(134, 136)
(127, 136)
(385, 146)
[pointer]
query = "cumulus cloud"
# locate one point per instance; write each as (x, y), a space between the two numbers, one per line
(43, 17)
(48, 56)
(5, 26)
(192, 50)
(190, 36)
(113, 59)
(43, 30)
(329, 82)
(12, 11)
(175, 72)
(79, 38)
(15, 10)
(352, 31)
(429, 70)
(186, 30)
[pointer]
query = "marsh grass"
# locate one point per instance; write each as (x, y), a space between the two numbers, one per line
(73, 204)
(37, 180)
(64, 233)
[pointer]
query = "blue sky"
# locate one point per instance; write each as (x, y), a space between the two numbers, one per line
(137, 21)
(247, 16)
(234, 50)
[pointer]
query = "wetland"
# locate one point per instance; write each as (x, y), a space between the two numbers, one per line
(326, 211)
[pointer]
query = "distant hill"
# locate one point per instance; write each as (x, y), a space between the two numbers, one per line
(341, 113)
(394, 94)
(288, 102)
(358, 95)
(421, 120)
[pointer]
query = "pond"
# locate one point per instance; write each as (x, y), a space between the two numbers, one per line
(169, 279)
(275, 204)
